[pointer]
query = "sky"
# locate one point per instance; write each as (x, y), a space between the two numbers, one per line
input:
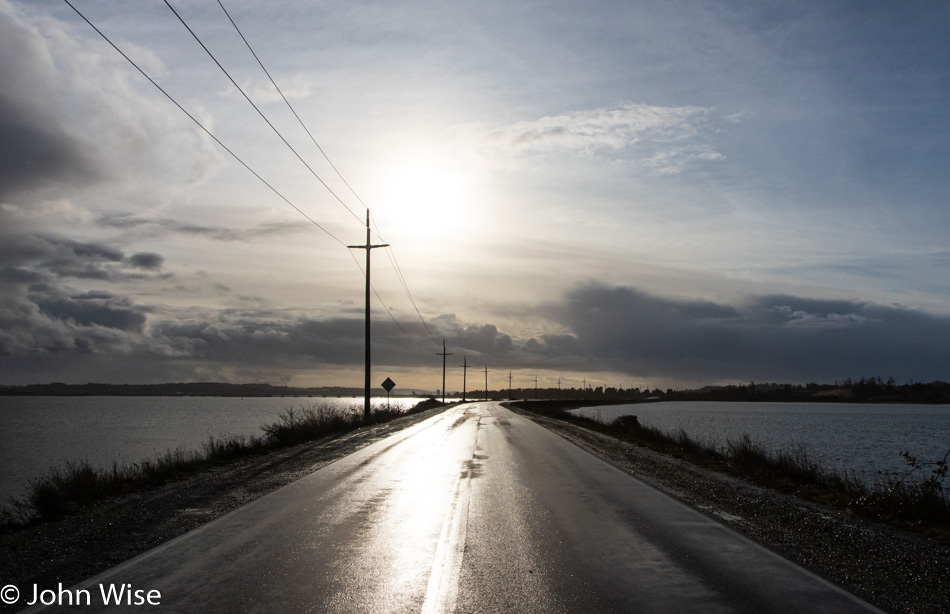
(636, 194)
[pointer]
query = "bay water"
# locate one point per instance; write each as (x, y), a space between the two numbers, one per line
(37, 433)
(865, 440)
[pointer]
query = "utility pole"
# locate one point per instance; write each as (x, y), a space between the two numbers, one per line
(368, 247)
(464, 366)
(486, 382)
(535, 387)
(509, 385)
(443, 355)
(559, 389)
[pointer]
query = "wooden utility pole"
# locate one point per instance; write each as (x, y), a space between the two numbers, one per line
(464, 366)
(509, 385)
(443, 355)
(486, 382)
(368, 247)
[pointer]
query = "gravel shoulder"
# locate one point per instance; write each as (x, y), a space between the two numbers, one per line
(898, 572)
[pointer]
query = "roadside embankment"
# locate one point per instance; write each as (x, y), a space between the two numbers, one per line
(896, 570)
(102, 535)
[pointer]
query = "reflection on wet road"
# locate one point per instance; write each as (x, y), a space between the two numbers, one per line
(474, 510)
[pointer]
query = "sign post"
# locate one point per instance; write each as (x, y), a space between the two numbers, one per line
(388, 385)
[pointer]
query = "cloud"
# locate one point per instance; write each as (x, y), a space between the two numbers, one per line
(35, 148)
(772, 337)
(46, 320)
(41, 255)
(73, 114)
(661, 138)
(90, 311)
(147, 260)
(29, 256)
(47, 331)
(158, 226)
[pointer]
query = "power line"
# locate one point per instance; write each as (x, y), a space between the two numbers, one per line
(200, 125)
(390, 253)
(292, 110)
(261, 113)
(380, 299)
(251, 170)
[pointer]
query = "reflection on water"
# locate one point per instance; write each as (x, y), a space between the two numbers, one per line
(846, 437)
(39, 432)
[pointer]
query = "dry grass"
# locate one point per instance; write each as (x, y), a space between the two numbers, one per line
(920, 505)
(68, 488)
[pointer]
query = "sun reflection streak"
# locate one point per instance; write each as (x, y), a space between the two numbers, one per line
(411, 524)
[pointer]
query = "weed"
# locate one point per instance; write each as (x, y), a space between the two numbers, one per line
(921, 505)
(68, 488)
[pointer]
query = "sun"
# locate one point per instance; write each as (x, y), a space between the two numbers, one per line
(425, 197)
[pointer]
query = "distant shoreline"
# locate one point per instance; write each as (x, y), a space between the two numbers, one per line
(871, 390)
(191, 389)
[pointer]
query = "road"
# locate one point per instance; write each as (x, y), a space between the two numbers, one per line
(474, 510)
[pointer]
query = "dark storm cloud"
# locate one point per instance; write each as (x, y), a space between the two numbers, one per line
(45, 329)
(91, 312)
(42, 320)
(35, 149)
(38, 258)
(478, 339)
(62, 257)
(147, 260)
(259, 338)
(41, 315)
(16, 275)
(36, 156)
(777, 337)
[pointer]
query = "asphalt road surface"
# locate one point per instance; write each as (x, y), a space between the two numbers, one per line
(474, 510)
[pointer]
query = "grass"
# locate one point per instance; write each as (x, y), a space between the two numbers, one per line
(919, 505)
(68, 488)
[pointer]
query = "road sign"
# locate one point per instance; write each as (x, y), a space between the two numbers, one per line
(389, 385)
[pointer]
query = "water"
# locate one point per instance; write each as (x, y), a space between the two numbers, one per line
(37, 433)
(858, 438)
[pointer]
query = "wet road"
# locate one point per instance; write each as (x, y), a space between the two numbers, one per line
(474, 510)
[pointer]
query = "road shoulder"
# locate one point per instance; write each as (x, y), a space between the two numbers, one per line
(105, 535)
(896, 571)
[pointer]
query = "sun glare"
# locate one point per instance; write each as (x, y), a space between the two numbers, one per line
(425, 197)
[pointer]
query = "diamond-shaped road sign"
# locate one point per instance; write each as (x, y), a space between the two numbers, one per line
(389, 385)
